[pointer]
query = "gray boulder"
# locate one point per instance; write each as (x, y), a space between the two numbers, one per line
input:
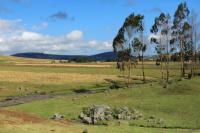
(96, 114)
(87, 120)
(100, 114)
(127, 114)
(57, 116)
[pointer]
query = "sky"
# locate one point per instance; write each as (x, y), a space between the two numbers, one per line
(82, 27)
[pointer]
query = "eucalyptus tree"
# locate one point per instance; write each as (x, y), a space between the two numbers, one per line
(166, 33)
(161, 30)
(157, 40)
(180, 32)
(193, 19)
(123, 42)
(121, 61)
(140, 47)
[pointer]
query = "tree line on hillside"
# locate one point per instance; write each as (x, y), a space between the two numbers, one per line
(174, 38)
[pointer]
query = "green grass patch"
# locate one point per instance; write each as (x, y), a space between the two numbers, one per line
(177, 111)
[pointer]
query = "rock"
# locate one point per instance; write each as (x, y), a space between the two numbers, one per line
(96, 114)
(85, 131)
(126, 114)
(82, 115)
(57, 116)
(109, 117)
(100, 114)
(87, 120)
(155, 122)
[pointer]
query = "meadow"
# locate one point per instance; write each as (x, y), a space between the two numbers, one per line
(177, 105)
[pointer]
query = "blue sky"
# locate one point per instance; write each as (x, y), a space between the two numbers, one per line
(93, 23)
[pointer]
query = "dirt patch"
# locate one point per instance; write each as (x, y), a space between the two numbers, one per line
(62, 122)
(10, 117)
(18, 117)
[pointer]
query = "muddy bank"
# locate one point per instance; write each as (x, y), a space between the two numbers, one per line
(16, 100)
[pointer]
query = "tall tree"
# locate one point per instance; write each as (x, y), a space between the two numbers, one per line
(132, 26)
(140, 47)
(193, 19)
(166, 33)
(180, 29)
(161, 29)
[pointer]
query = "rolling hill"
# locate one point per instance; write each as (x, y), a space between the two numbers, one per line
(97, 57)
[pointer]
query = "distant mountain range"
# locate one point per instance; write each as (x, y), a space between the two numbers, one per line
(106, 56)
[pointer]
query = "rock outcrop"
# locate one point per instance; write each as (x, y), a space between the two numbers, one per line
(98, 114)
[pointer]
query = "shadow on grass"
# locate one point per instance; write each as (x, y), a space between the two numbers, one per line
(82, 90)
(96, 88)
(123, 82)
(116, 84)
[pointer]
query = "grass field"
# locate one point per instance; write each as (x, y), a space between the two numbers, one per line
(178, 105)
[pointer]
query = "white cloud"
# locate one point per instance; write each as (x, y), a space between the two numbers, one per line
(30, 36)
(1, 40)
(16, 39)
(92, 43)
(106, 45)
(41, 26)
(4, 48)
(8, 26)
(75, 35)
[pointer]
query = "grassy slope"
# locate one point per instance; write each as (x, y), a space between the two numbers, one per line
(178, 107)
(49, 78)
(46, 128)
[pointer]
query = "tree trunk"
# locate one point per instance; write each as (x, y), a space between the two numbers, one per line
(161, 61)
(167, 80)
(129, 72)
(182, 61)
(195, 52)
(167, 69)
(182, 66)
(144, 80)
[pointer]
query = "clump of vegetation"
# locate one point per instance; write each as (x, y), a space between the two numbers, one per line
(151, 121)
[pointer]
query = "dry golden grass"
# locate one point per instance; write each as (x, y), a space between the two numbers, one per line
(16, 60)
(147, 63)
(47, 62)
(52, 78)
(67, 65)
